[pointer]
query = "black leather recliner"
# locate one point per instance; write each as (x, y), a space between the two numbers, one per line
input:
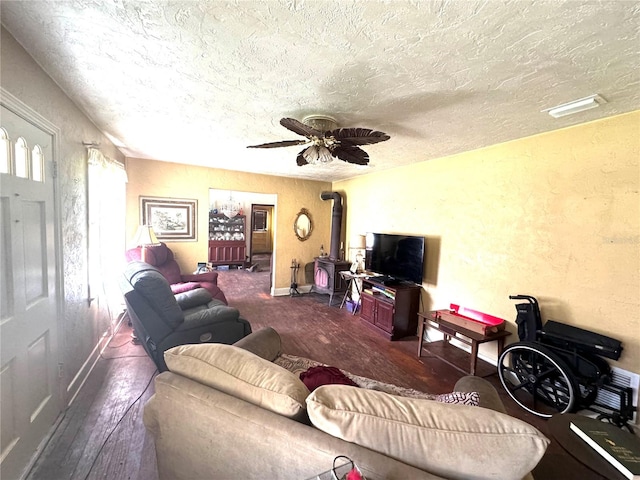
(162, 320)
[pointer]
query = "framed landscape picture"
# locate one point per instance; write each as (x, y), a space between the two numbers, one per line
(172, 219)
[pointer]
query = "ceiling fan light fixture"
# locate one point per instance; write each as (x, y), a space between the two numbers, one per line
(580, 105)
(322, 123)
(326, 142)
(317, 154)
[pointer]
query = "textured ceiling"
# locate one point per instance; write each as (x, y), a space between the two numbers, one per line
(196, 82)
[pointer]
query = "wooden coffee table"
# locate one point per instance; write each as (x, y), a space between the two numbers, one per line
(559, 427)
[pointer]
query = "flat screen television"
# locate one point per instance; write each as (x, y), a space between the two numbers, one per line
(396, 257)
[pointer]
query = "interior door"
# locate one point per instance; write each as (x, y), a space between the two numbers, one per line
(30, 389)
(261, 231)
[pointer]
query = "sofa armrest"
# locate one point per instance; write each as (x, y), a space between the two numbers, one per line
(193, 298)
(489, 397)
(265, 343)
(215, 312)
(211, 277)
(177, 288)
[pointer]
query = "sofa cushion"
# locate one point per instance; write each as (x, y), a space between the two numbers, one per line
(454, 441)
(242, 374)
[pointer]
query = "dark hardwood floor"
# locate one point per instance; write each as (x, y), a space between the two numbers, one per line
(101, 434)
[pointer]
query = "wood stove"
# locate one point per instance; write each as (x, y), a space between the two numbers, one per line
(326, 277)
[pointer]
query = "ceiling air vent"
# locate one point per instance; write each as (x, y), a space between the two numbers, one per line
(576, 106)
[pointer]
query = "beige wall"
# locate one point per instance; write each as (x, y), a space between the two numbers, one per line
(164, 179)
(556, 216)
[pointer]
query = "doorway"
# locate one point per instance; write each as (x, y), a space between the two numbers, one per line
(261, 240)
(263, 246)
(261, 229)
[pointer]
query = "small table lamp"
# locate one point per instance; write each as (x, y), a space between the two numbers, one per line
(358, 245)
(145, 237)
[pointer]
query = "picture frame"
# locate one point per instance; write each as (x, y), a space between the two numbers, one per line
(172, 219)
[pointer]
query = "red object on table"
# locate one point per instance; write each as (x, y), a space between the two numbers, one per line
(354, 475)
(476, 315)
(473, 320)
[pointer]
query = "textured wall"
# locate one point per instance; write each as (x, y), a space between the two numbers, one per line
(82, 325)
(556, 216)
(164, 179)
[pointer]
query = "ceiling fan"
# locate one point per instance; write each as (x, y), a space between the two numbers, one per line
(327, 141)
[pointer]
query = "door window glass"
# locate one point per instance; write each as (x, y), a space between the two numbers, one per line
(22, 157)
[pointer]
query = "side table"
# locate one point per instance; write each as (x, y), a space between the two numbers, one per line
(559, 427)
(352, 282)
(461, 334)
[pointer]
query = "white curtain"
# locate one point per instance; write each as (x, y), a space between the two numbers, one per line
(107, 209)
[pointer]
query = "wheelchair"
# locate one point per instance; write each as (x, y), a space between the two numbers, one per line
(559, 368)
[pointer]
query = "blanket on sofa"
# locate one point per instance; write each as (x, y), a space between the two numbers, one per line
(298, 365)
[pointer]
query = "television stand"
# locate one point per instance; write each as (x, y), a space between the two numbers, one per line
(390, 309)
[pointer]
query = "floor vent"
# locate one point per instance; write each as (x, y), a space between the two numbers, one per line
(621, 378)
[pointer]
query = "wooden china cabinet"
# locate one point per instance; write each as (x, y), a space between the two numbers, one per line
(227, 240)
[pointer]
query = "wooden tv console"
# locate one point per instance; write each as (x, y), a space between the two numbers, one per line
(391, 310)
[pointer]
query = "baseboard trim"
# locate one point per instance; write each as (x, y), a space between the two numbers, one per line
(285, 292)
(74, 387)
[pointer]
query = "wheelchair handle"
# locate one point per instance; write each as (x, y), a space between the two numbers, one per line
(529, 298)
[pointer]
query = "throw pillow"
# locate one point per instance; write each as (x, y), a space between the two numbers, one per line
(321, 375)
(242, 374)
(471, 399)
(453, 441)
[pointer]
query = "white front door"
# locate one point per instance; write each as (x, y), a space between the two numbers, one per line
(29, 351)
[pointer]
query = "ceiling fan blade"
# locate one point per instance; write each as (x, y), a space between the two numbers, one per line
(284, 143)
(351, 155)
(300, 160)
(300, 128)
(359, 136)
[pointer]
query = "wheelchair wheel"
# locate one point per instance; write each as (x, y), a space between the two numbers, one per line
(537, 379)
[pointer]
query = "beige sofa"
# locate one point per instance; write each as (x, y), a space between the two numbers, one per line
(225, 412)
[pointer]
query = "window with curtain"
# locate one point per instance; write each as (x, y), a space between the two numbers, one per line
(107, 207)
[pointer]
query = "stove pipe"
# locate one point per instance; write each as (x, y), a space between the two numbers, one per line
(336, 223)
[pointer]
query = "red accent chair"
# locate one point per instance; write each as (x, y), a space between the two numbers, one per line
(161, 257)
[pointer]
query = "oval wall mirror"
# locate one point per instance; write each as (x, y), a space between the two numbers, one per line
(302, 225)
